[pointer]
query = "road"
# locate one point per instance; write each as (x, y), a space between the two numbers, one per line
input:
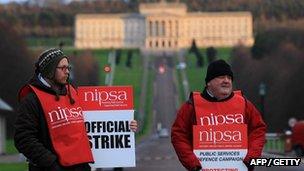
(156, 153)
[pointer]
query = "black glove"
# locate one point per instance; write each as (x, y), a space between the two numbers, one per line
(196, 168)
(55, 167)
(250, 167)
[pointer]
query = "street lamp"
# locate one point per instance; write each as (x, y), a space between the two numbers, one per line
(262, 93)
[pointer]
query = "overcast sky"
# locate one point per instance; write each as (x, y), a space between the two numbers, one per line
(6, 1)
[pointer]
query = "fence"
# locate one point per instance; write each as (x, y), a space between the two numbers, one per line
(277, 143)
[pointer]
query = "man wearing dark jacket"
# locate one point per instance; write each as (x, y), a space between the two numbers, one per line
(216, 99)
(50, 129)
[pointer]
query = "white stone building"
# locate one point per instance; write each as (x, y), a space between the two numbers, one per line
(163, 26)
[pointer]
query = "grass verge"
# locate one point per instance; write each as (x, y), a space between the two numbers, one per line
(13, 166)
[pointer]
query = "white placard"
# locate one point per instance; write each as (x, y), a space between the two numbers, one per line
(113, 144)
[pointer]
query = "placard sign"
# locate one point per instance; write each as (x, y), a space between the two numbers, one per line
(221, 147)
(107, 113)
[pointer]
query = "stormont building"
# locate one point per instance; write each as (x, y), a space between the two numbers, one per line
(163, 25)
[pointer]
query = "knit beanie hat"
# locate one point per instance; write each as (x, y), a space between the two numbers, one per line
(218, 68)
(48, 61)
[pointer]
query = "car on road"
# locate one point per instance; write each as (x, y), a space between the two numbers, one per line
(163, 133)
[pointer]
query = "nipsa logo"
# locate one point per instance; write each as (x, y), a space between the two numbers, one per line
(213, 135)
(65, 114)
(213, 119)
(105, 96)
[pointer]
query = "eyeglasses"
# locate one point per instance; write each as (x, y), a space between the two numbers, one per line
(65, 68)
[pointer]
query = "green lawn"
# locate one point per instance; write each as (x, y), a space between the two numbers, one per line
(13, 167)
(130, 76)
(147, 120)
(48, 42)
(10, 147)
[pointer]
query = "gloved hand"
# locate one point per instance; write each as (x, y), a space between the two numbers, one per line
(250, 168)
(196, 168)
(55, 167)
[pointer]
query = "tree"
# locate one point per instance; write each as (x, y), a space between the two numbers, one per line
(86, 69)
(193, 47)
(118, 56)
(61, 44)
(268, 41)
(199, 57)
(15, 62)
(129, 59)
(200, 60)
(280, 69)
(211, 54)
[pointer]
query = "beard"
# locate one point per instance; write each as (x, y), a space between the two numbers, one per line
(61, 82)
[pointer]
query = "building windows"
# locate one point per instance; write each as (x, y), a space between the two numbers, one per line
(163, 31)
(170, 28)
(150, 29)
(156, 29)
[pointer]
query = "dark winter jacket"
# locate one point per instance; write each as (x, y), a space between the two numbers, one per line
(32, 137)
(181, 135)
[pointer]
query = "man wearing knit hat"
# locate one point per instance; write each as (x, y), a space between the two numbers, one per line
(49, 129)
(216, 99)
